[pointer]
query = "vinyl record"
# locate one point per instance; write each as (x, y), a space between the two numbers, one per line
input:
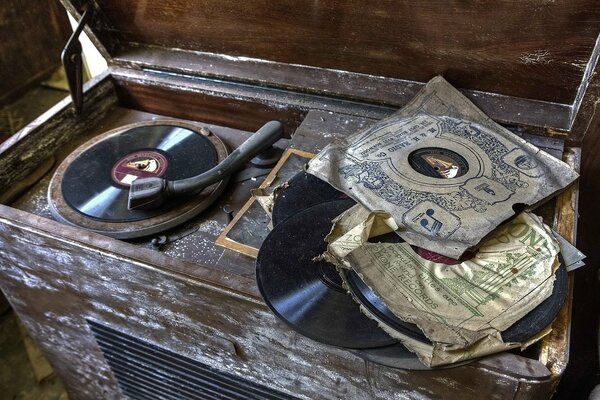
(301, 192)
(90, 188)
(396, 356)
(305, 190)
(308, 294)
(368, 299)
(542, 315)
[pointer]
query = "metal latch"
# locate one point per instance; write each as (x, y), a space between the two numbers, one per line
(73, 63)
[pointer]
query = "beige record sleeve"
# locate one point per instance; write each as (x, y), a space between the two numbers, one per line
(445, 171)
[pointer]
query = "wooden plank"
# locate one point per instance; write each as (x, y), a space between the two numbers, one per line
(231, 104)
(586, 115)
(516, 55)
(350, 85)
(514, 71)
(554, 348)
(29, 55)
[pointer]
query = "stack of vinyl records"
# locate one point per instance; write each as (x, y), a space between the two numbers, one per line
(416, 234)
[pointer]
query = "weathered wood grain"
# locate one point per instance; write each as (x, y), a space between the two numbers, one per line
(353, 86)
(32, 145)
(507, 47)
(232, 104)
(581, 375)
(56, 283)
(32, 37)
(554, 348)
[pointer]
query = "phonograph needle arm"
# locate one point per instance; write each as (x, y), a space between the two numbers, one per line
(148, 193)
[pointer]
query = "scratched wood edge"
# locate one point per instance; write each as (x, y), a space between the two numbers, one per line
(133, 55)
(117, 249)
(554, 348)
(20, 187)
(134, 87)
(321, 81)
(243, 248)
(29, 148)
(587, 118)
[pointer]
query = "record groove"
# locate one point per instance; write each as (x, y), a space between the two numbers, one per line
(308, 294)
(302, 191)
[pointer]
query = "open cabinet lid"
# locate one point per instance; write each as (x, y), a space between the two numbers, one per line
(522, 62)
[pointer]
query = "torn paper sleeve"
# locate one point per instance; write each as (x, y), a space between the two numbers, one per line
(266, 200)
(354, 227)
(455, 306)
(444, 171)
(439, 355)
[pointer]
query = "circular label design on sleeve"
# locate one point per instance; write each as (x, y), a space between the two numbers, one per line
(439, 163)
(139, 164)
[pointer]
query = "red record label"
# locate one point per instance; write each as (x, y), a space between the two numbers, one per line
(140, 164)
(435, 257)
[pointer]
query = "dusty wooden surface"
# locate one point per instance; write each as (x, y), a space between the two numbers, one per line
(583, 370)
(554, 348)
(33, 35)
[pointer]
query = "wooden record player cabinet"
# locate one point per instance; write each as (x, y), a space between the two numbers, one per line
(117, 318)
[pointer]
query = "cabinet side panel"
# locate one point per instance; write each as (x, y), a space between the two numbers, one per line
(55, 284)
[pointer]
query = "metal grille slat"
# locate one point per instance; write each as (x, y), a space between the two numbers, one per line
(153, 392)
(182, 364)
(155, 365)
(151, 383)
(145, 371)
(141, 393)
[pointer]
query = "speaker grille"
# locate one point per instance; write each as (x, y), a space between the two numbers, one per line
(145, 371)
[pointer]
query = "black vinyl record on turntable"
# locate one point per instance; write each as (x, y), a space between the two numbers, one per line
(144, 178)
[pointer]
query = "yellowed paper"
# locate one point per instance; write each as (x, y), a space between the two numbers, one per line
(455, 306)
(266, 200)
(483, 170)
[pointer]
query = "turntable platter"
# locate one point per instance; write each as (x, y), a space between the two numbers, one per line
(90, 188)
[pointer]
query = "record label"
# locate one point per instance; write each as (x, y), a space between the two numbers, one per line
(436, 162)
(139, 164)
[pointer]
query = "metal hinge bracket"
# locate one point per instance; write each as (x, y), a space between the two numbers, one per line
(73, 62)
